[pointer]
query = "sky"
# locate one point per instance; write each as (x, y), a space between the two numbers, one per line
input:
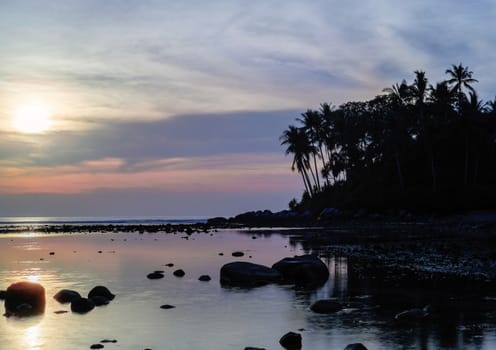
(175, 108)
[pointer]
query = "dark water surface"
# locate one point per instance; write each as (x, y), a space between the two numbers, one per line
(208, 316)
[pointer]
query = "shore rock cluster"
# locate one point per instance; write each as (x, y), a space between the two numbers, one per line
(97, 296)
(302, 271)
(28, 299)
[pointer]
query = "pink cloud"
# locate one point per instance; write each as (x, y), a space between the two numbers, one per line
(254, 173)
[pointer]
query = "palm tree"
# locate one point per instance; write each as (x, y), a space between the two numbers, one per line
(399, 92)
(442, 99)
(326, 112)
(313, 127)
(460, 77)
(419, 88)
(299, 146)
(474, 134)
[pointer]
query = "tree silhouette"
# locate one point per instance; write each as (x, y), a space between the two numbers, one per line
(460, 77)
(416, 146)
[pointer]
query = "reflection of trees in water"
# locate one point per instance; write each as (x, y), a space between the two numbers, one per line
(374, 315)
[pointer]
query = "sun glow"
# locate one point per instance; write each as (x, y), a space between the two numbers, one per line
(32, 118)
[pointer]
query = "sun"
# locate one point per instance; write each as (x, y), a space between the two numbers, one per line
(32, 118)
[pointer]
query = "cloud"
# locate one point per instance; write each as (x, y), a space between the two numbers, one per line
(132, 141)
(267, 173)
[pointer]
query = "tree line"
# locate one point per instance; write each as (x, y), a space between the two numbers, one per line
(415, 146)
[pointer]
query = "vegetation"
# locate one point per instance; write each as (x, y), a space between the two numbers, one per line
(417, 146)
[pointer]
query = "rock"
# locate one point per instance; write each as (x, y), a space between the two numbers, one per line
(96, 346)
(204, 278)
(24, 299)
(252, 348)
(52, 253)
(413, 315)
(102, 292)
(304, 270)
(60, 312)
(355, 346)
(108, 341)
(169, 264)
(82, 305)
(237, 254)
(247, 274)
(291, 341)
(179, 273)
(66, 296)
(2, 294)
(155, 275)
(99, 300)
(167, 307)
(326, 306)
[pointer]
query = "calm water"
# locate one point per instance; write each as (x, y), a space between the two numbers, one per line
(206, 316)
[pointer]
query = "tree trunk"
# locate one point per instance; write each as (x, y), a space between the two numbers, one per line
(433, 172)
(465, 173)
(308, 182)
(400, 173)
(317, 176)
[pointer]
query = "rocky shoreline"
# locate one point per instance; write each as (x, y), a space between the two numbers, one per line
(395, 248)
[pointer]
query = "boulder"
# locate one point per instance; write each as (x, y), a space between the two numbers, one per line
(326, 306)
(247, 274)
(64, 296)
(304, 270)
(291, 341)
(102, 292)
(179, 273)
(82, 305)
(155, 275)
(355, 346)
(24, 299)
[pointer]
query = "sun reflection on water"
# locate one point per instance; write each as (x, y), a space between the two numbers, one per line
(32, 337)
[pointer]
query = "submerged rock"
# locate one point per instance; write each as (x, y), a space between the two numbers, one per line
(413, 315)
(304, 270)
(155, 275)
(82, 305)
(64, 296)
(247, 274)
(355, 346)
(326, 306)
(24, 299)
(291, 341)
(204, 278)
(237, 254)
(102, 292)
(179, 273)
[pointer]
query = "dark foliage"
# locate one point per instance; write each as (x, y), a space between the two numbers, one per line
(418, 147)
